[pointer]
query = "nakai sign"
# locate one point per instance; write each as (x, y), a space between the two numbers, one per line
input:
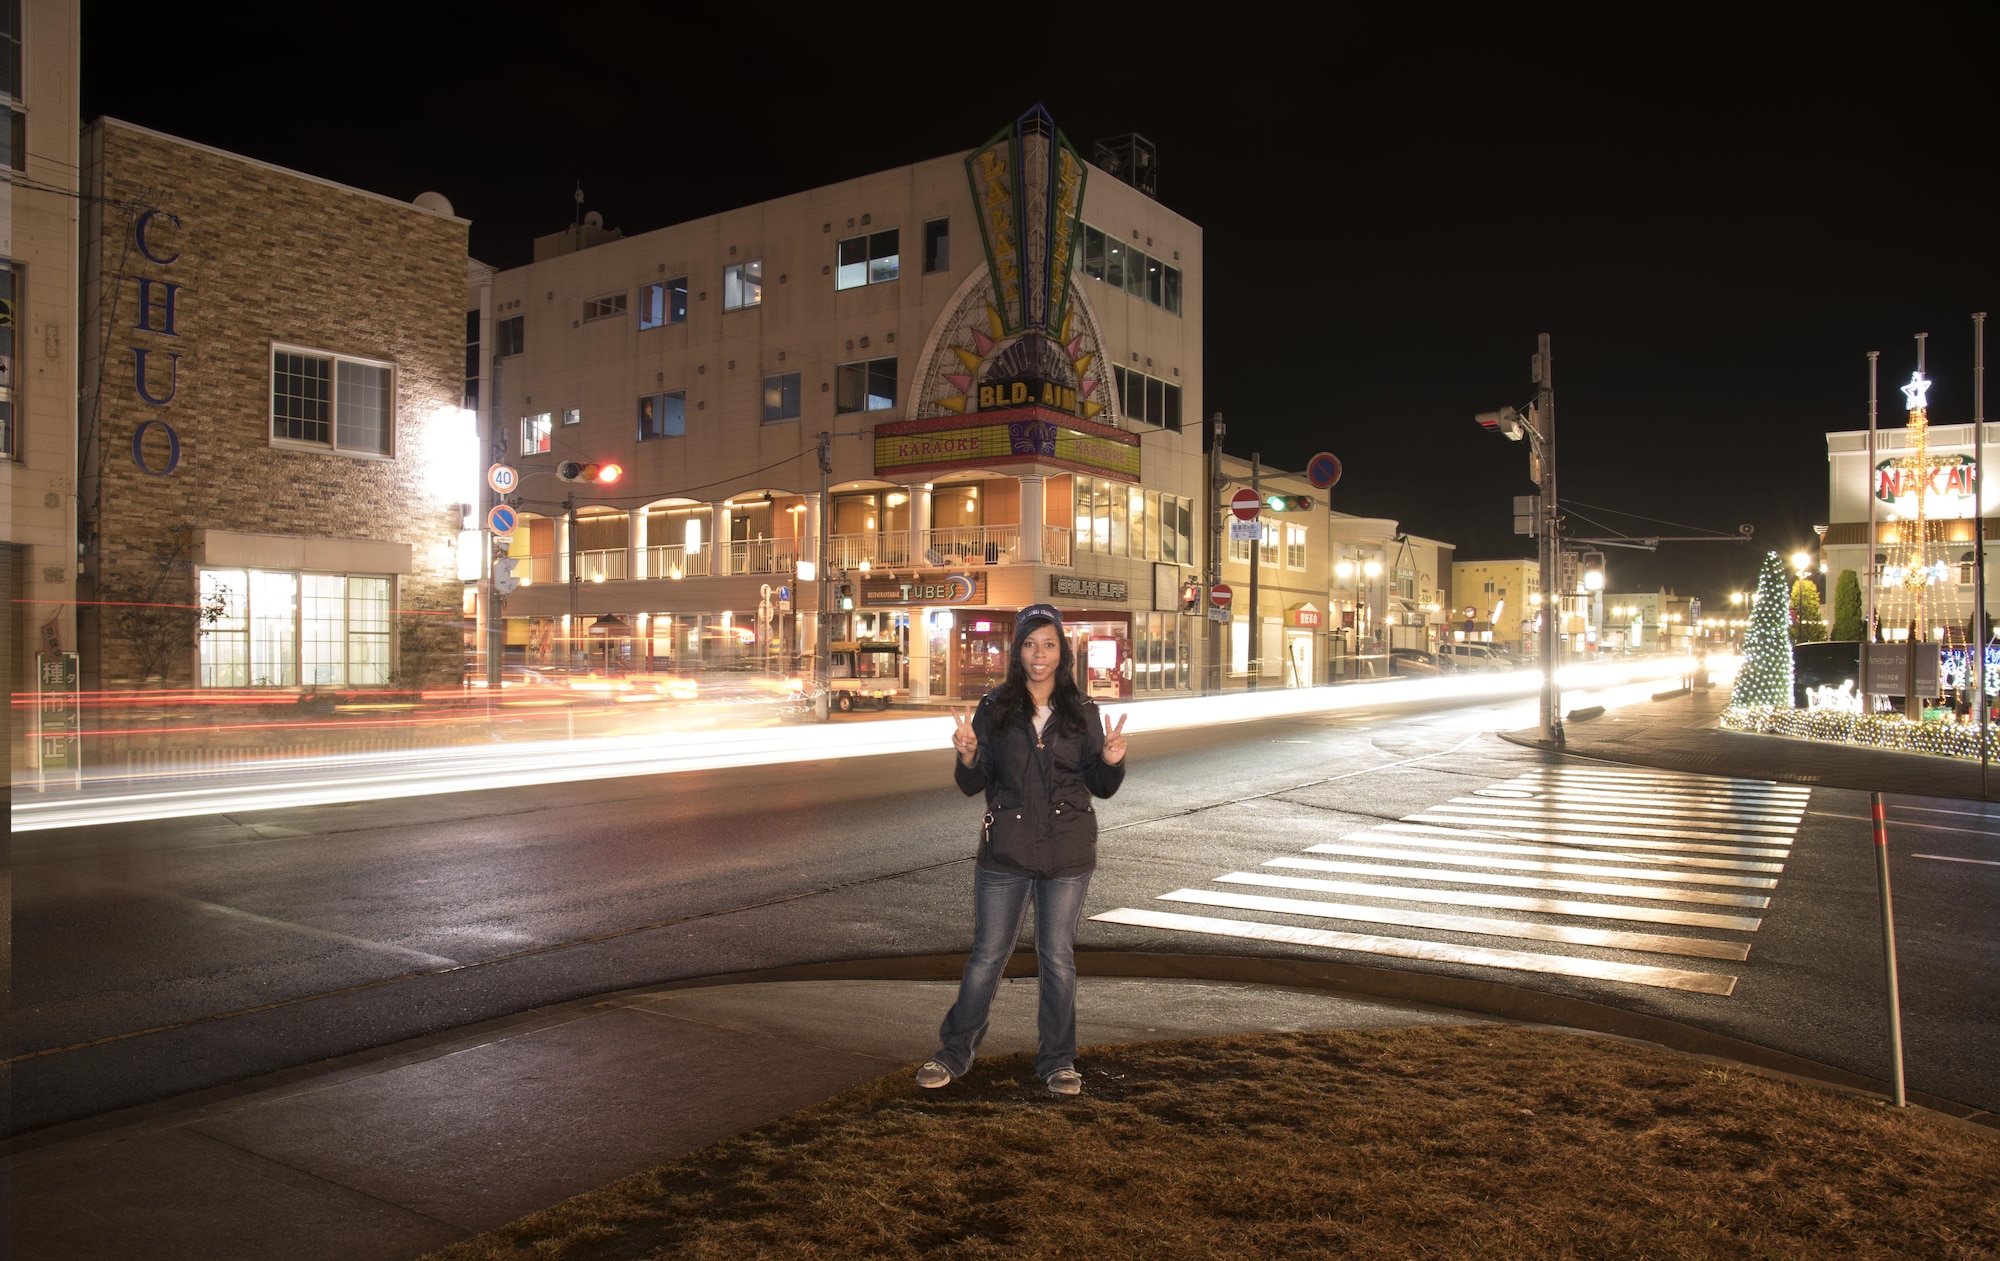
(1947, 486)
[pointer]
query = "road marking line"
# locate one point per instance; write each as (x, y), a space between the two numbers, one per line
(1720, 790)
(1771, 787)
(1405, 948)
(1466, 815)
(1498, 901)
(1629, 842)
(1591, 809)
(1905, 823)
(1608, 938)
(1648, 892)
(1557, 851)
(1946, 858)
(1528, 864)
(1650, 803)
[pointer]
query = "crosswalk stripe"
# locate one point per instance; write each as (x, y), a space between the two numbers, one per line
(1630, 842)
(1527, 864)
(1475, 818)
(1668, 778)
(1609, 814)
(1649, 892)
(1555, 851)
(1639, 803)
(1498, 901)
(1406, 948)
(1678, 792)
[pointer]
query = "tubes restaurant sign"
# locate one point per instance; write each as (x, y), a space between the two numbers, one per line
(1947, 486)
(1036, 437)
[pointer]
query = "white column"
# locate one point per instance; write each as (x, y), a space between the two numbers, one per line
(718, 538)
(920, 654)
(809, 548)
(1032, 513)
(635, 538)
(920, 541)
(562, 548)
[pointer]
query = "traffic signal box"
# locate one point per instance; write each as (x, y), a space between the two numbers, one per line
(577, 471)
(1191, 598)
(1289, 503)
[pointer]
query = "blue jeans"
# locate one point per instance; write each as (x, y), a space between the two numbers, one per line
(1000, 902)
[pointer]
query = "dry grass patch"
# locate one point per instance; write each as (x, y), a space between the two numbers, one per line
(1478, 1141)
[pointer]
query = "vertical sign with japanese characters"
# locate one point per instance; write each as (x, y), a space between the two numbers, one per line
(57, 716)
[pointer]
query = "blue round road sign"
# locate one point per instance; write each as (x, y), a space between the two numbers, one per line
(1324, 470)
(501, 520)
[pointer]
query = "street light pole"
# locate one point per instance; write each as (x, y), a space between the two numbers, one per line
(823, 698)
(1543, 417)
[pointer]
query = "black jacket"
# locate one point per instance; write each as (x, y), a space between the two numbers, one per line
(1039, 820)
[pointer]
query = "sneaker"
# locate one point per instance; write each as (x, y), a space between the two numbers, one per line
(932, 1075)
(1065, 1081)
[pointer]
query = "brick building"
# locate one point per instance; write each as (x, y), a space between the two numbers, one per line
(275, 464)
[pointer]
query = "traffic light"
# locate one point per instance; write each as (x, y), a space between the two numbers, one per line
(577, 471)
(844, 595)
(1191, 598)
(1289, 503)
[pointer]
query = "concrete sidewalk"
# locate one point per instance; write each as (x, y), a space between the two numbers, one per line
(394, 1153)
(1679, 732)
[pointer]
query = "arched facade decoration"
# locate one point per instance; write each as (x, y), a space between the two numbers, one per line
(966, 347)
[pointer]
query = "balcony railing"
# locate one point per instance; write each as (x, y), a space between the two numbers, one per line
(531, 570)
(977, 544)
(601, 566)
(763, 556)
(847, 551)
(1055, 545)
(675, 562)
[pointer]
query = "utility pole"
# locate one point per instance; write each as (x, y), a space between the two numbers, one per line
(496, 624)
(822, 698)
(1256, 549)
(575, 574)
(1543, 420)
(1215, 509)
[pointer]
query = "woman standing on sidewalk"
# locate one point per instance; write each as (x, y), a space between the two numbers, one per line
(1035, 746)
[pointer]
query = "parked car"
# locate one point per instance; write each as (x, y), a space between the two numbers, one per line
(1476, 656)
(1413, 663)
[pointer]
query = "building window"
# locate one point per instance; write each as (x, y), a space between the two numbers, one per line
(664, 303)
(9, 443)
(509, 336)
(937, 245)
(1295, 547)
(781, 397)
(535, 433)
(663, 416)
(605, 307)
(1239, 551)
(1267, 543)
(1121, 266)
(743, 285)
(1173, 290)
(1150, 399)
(14, 134)
(572, 415)
(865, 387)
(332, 401)
(10, 48)
(472, 360)
(285, 629)
(868, 260)
(1093, 252)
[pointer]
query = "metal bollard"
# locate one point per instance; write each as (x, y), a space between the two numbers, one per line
(1889, 953)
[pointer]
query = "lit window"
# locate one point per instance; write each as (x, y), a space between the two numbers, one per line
(868, 260)
(605, 307)
(781, 397)
(865, 387)
(1295, 547)
(535, 433)
(332, 402)
(284, 629)
(743, 285)
(663, 416)
(1267, 543)
(664, 303)
(937, 245)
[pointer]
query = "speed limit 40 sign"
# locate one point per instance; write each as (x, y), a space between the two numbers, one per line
(502, 478)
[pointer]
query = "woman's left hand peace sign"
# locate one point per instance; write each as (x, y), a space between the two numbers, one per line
(1114, 740)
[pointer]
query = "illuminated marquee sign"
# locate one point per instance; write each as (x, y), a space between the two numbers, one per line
(1028, 435)
(1948, 490)
(950, 589)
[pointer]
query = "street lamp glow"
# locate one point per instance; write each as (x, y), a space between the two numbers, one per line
(1344, 570)
(1593, 581)
(1801, 562)
(1373, 569)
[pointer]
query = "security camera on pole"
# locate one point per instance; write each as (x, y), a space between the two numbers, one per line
(1539, 428)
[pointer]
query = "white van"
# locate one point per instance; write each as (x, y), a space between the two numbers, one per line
(1476, 656)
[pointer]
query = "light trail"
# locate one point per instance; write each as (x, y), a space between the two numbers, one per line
(334, 779)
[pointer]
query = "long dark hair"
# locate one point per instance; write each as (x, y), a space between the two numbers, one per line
(1011, 699)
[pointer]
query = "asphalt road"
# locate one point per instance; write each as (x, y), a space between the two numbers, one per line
(156, 958)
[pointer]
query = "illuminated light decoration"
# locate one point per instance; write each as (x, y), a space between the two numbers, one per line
(1917, 593)
(1916, 391)
(1937, 737)
(1766, 676)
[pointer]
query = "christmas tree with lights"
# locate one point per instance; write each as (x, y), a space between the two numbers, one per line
(1766, 676)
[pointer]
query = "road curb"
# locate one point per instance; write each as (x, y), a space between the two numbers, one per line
(1485, 998)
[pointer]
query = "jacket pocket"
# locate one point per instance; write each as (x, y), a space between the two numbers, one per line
(1072, 824)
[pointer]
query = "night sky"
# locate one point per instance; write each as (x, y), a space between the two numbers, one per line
(1715, 215)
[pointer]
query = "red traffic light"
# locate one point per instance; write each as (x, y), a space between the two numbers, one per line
(577, 471)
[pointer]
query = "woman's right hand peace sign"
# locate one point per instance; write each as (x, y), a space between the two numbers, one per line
(964, 739)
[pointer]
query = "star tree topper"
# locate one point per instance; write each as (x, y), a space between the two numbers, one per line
(1919, 385)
